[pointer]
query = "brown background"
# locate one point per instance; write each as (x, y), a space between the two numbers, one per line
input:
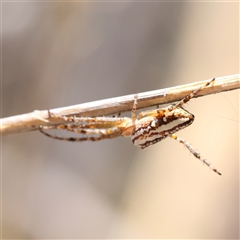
(59, 54)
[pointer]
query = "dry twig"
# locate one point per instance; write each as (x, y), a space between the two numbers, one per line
(26, 122)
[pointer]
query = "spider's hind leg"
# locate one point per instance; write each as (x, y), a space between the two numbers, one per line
(194, 152)
(97, 134)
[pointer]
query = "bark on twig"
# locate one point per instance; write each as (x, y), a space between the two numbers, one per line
(26, 122)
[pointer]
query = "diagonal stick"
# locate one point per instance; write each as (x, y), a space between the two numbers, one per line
(26, 122)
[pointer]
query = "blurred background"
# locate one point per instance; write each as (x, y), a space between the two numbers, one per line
(60, 54)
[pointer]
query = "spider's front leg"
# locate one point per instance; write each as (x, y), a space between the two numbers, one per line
(190, 96)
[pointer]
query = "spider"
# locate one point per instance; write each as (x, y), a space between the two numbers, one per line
(145, 129)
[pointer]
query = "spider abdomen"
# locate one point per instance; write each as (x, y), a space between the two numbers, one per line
(151, 130)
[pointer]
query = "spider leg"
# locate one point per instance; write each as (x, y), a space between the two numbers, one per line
(190, 96)
(79, 129)
(93, 125)
(98, 120)
(103, 120)
(103, 134)
(134, 109)
(194, 152)
(88, 122)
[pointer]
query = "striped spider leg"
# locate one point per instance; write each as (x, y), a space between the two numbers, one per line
(145, 129)
(97, 127)
(91, 129)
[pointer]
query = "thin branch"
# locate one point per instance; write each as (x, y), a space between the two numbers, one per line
(28, 121)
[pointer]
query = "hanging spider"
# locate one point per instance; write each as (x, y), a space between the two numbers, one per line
(145, 129)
